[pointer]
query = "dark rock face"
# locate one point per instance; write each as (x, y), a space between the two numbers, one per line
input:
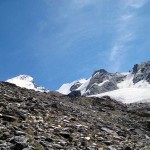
(102, 71)
(107, 86)
(53, 121)
(99, 77)
(74, 94)
(141, 72)
(75, 86)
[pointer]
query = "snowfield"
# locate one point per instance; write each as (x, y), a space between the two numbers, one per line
(128, 95)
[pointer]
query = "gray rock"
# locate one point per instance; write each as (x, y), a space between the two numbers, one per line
(57, 146)
(141, 72)
(18, 139)
(18, 133)
(5, 136)
(99, 77)
(107, 86)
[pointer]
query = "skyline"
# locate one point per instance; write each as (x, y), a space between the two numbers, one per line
(59, 42)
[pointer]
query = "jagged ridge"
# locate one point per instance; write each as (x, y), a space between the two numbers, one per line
(116, 85)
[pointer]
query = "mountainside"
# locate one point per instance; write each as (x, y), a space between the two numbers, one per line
(27, 82)
(33, 120)
(115, 85)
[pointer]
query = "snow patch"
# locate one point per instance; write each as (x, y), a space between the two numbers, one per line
(100, 84)
(128, 83)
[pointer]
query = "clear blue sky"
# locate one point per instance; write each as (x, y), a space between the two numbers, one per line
(58, 41)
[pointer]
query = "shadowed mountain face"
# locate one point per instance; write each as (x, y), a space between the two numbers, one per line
(32, 120)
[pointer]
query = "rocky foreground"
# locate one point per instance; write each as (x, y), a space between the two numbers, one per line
(31, 120)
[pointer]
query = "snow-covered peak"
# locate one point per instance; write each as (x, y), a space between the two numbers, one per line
(25, 78)
(128, 87)
(26, 81)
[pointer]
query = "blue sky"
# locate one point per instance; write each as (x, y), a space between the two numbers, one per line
(58, 41)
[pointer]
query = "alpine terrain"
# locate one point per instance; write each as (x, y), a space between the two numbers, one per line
(128, 87)
(82, 118)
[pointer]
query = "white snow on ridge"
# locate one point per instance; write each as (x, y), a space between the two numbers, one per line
(22, 81)
(128, 95)
(65, 88)
(100, 84)
(82, 88)
(128, 83)
(27, 82)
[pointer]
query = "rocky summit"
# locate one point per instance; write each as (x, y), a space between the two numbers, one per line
(33, 120)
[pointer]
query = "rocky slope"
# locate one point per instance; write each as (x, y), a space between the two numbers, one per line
(32, 120)
(115, 85)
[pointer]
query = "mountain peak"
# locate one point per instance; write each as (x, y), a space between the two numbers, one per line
(26, 81)
(126, 87)
(100, 71)
(24, 77)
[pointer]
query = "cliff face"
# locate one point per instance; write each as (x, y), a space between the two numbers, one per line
(32, 120)
(141, 72)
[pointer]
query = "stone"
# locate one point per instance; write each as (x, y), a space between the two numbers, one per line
(5, 136)
(48, 139)
(108, 143)
(18, 139)
(65, 134)
(19, 146)
(87, 138)
(128, 148)
(18, 133)
(57, 146)
(8, 118)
